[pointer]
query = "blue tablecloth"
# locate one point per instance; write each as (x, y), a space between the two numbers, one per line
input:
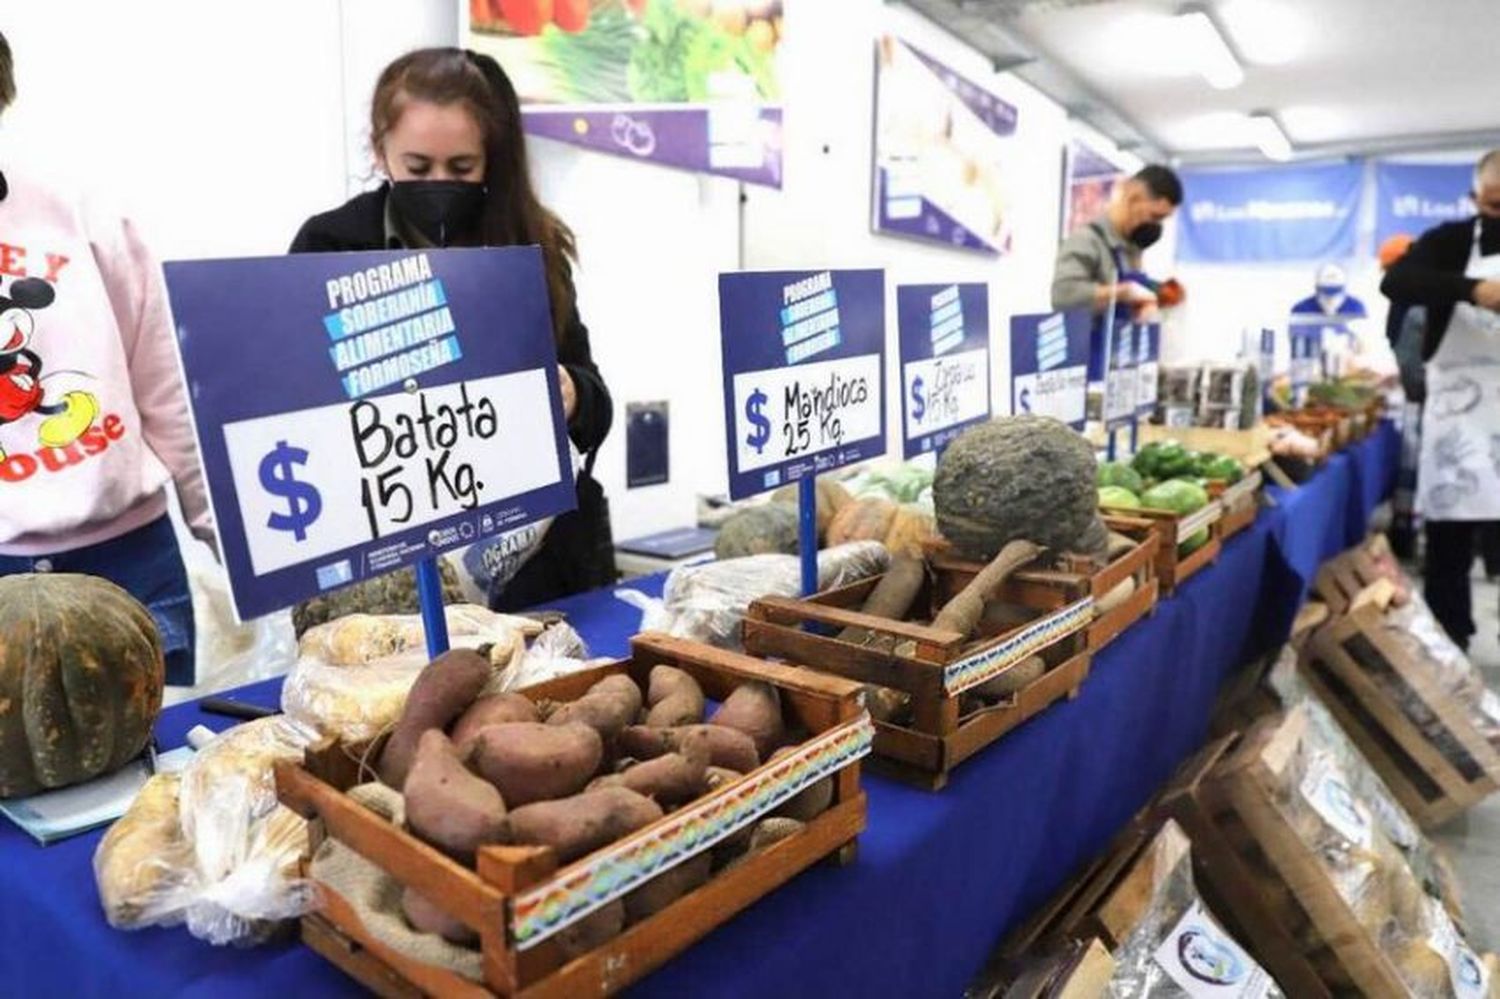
(939, 877)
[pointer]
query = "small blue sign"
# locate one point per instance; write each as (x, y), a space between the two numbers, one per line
(1270, 214)
(359, 412)
(944, 336)
(1049, 365)
(1148, 367)
(1411, 198)
(804, 373)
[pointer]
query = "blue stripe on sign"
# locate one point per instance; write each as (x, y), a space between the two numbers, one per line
(948, 343)
(411, 301)
(941, 331)
(810, 327)
(807, 348)
(947, 312)
(798, 311)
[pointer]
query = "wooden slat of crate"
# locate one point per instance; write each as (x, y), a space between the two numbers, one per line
(1429, 785)
(1173, 569)
(1082, 971)
(483, 899)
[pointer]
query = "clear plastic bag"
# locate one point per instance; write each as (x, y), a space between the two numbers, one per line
(1416, 629)
(231, 654)
(212, 848)
(557, 651)
(707, 602)
(353, 674)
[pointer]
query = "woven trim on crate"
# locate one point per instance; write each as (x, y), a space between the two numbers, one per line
(581, 889)
(971, 671)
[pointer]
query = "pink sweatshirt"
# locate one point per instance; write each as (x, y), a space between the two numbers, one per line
(101, 346)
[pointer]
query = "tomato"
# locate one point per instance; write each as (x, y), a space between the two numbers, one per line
(526, 17)
(571, 15)
(637, 8)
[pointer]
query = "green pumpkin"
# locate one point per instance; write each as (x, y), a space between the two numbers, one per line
(81, 676)
(766, 529)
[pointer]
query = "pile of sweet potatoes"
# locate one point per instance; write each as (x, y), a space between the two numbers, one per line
(478, 769)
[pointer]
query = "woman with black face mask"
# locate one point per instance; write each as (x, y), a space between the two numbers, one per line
(445, 127)
(1091, 262)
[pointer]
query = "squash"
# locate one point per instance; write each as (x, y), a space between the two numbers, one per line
(768, 529)
(1018, 477)
(81, 676)
(867, 519)
(832, 497)
(910, 528)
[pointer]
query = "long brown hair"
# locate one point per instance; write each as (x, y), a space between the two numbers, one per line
(512, 214)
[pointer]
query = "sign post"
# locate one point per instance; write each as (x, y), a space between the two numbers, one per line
(804, 382)
(944, 338)
(357, 413)
(1049, 365)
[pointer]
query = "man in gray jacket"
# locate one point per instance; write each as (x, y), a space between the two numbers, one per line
(1090, 262)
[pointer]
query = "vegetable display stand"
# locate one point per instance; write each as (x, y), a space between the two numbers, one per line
(1259, 875)
(518, 900)
(1321, 426)
(1251, 448)
(1173, 566)
(1055, 588)
(1240, 500)
(1419, 738)
(934, 667)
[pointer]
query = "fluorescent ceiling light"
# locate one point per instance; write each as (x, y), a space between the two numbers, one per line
(1202, 42)
(1268, 136)
(1266, 32)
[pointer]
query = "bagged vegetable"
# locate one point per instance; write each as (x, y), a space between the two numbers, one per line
(557, 651)
(352, 674)
(231, 654)
(707, 602)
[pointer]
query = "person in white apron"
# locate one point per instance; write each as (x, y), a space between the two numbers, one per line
(1458, 482)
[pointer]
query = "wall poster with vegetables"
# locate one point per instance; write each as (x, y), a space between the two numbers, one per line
(692, 84)
(940, 153)
(1088, 179)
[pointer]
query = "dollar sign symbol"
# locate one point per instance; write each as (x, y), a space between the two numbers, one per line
(919, 402)
(303, 501)
(761, 433)
(1026, 400)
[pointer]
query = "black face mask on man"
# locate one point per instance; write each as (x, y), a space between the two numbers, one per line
(1144, 235)
(444, 211)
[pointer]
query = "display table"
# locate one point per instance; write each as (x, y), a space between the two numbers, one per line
(939, 876)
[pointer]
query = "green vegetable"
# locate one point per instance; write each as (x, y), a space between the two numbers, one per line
(1118, 498)
(591, 65)
(1117, 473)
(1162, 460)
(1193, 543)
(1219, 467)
(1177, 496)
(677, 54)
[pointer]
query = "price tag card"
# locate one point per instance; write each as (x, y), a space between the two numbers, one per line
(1306, 341)
(1049, 365)
(357, 412)
(804, 373)
(1147, 366)
(944, 334)
(1206, 962)
(1120, 386)
(1327, 791)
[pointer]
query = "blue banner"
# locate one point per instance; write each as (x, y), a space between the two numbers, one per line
(944, 336)
(1269, 215)
(1049, 365)
(1411, 198)
(358, 412)
(804, 373)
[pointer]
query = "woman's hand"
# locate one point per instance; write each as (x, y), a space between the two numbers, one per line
(569, 392)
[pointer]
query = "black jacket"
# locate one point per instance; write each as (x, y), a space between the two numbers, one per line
(1432, 274)
(578, 553)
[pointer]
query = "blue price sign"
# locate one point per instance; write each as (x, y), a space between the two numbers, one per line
(1049, 365)
(1148, 368)
(944, 335)
(1112, 370)
(358, 412)
(804, 373)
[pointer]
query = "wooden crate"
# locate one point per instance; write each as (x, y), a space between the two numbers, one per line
(1241, 502)
(1173, 569)
(1080, 970)
(1435, 777)
(517, 898)
(1053, 589)
(935, 667)
(1261, 880)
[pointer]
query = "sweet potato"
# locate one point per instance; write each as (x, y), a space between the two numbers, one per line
(670, 780)
(609, 706)
(728, 748)
(425, 917)
(443, 690)
(1023, 673)
(809, 803)
(892, 597)
(759, 836)
(529, 761)
(885, 704)
(492, 709)
(755, 709)
(674, 698)
(668, 886)
(446, 805)
(577, 826)
(594, 930)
